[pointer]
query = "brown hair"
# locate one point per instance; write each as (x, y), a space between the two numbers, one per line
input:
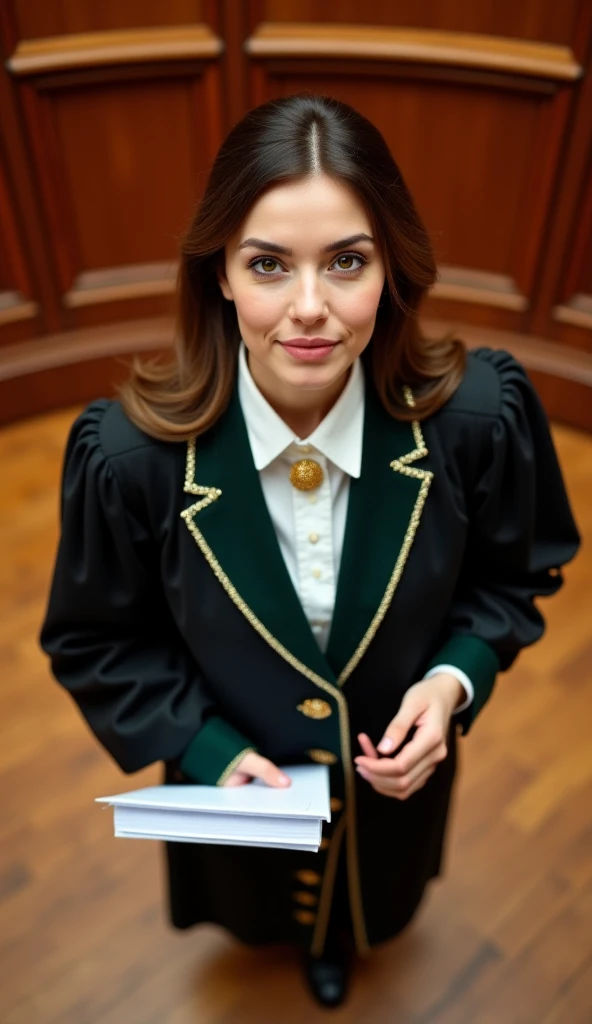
(282, 141)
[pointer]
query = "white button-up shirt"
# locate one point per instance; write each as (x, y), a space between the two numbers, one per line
(310, 525)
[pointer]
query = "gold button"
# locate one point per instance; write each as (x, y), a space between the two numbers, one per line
(325, 843)
(308, 877)
(336, 804)
(314, 707)
(305, 916)
(306, 475)
(322, 756)
(306, 899)
(313, 538)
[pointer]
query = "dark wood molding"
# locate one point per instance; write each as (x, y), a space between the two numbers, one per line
(416, 45)
(76, 348)
(478, 287)
(578, 311)
(539, 354)
(116, 284)
(14, 306)
(120, 46)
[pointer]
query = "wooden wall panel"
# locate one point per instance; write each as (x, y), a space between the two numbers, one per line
(34, 19)
(119, 164)
(575, 307)
(17, 301)
(544, 20)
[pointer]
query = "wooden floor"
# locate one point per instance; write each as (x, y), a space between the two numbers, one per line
(505, 938)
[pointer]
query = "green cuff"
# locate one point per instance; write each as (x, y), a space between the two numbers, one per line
(479, 661)
(214, 753)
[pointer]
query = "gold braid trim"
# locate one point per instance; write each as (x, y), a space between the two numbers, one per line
(235, 761)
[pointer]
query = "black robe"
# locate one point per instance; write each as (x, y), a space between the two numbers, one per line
(173, 623)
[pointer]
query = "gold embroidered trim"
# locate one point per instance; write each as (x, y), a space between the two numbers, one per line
(235, 760)
(326, 898)
(210, 494)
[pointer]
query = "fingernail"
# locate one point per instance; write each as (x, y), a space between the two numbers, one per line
(386, 745)
(362, 772)
(283, 779)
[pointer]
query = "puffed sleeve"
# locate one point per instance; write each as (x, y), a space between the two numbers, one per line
(521, 532)
(108, 631)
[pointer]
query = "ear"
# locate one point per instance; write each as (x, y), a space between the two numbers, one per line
(223, 281)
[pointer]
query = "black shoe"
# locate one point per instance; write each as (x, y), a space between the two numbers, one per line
(328, 976)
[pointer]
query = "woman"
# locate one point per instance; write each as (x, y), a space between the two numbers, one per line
(312, 536)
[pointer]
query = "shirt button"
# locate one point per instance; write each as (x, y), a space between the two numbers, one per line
(313, 537)
(305, 448)
(312, 498)
(316, 573)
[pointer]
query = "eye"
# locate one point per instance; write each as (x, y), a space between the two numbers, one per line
(346, 261)
(267, 263)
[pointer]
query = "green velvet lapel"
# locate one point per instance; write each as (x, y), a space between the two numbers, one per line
(385, 506)
(232, 526)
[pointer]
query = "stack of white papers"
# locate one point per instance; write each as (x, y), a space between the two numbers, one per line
(250, 815)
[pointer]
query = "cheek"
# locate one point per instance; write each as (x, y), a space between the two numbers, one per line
(357, 308)
(256, 309)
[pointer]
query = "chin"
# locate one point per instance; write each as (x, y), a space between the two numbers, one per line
(315, 378)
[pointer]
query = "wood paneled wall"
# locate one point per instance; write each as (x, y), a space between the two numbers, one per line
(112, 113)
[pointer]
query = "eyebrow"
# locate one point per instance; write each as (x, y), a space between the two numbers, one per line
(259, 243)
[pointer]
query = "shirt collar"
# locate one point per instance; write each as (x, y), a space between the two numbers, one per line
(338, 437)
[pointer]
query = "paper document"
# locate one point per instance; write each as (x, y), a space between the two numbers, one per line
(250, 815)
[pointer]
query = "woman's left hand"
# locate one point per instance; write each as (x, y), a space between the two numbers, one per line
(428, 706)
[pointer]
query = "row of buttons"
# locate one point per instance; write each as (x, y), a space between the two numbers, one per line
(312, 879)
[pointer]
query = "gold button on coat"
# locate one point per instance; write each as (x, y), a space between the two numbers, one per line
(336, 804)
(314, 707)
(306, 899)
(305, 916)
(308, 877)
(322, 756)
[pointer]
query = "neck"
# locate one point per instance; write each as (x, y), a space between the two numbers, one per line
(301, 410)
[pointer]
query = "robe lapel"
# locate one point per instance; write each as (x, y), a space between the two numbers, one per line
(232, 527)
(385, 506)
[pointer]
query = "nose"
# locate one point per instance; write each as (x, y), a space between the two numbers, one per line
(308, 303)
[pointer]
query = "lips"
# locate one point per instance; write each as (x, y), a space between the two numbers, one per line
(309, 350)
(309, 342)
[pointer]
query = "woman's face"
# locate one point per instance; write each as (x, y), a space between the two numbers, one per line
(305, 275)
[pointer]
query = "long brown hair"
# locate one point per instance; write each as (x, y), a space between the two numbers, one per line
(282, 141)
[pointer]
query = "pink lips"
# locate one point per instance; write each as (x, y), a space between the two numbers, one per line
(309, 349)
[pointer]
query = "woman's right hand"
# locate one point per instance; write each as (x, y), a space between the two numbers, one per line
(253, 766)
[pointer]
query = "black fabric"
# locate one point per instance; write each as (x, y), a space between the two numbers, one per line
(148, 643)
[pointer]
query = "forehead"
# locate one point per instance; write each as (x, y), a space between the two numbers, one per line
(319, 208)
